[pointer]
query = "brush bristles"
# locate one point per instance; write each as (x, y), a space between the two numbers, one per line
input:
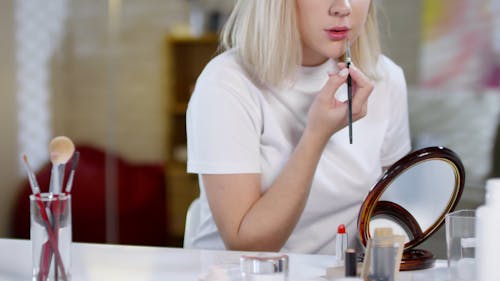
(35, 189)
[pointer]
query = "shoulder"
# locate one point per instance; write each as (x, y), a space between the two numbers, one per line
(224, 68)
(391, 77)
(224, 84)
(225, 60)
(225, 75)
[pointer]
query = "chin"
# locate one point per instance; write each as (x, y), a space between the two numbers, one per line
(334, 54)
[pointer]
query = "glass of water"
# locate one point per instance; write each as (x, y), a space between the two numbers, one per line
(461, 244)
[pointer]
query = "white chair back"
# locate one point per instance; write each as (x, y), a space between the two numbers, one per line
(192, 222)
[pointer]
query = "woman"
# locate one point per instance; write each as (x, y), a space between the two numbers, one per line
(266, 125)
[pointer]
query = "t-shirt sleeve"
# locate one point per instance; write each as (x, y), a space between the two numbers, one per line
(223, 125)
(397, 137)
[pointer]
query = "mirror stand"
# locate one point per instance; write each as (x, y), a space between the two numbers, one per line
(414, 259)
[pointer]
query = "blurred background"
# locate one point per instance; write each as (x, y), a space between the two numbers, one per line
(115, 76)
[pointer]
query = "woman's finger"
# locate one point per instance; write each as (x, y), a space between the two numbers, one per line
(334, 82)
(362, 88)
(359, 77)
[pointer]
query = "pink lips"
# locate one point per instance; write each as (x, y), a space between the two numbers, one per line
(337, 33)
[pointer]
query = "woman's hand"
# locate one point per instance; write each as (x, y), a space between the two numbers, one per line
(327, 115)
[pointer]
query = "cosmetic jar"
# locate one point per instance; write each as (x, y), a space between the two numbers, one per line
(264, 267)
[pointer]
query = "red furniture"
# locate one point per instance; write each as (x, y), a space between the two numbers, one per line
(142, 218)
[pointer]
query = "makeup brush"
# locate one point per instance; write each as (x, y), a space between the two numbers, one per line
(35, 188)
(69, 184)
(45, 214)
(61, 149)
(59, 210)
(349, 88)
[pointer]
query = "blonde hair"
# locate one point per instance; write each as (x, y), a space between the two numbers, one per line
(266, 37)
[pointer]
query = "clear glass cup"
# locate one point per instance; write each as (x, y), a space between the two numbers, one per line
(51, 236)
(264, 267)
(461, 244)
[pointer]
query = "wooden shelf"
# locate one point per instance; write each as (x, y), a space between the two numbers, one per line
(179, 108)
(208, 38)
(186, 57)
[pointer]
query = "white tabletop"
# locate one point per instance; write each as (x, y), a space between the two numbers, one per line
(119, 262)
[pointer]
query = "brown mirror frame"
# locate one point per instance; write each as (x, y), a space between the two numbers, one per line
(372, 206)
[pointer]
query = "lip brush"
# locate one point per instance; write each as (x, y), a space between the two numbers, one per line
(349, 89)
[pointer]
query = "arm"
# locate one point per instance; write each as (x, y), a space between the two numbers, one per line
(249, 220)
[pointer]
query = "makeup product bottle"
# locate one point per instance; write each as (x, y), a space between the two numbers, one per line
(382, 255)
(487, 229)
(351, 262)
(340, 243)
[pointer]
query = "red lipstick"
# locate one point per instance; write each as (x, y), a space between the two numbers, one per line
(341, 243)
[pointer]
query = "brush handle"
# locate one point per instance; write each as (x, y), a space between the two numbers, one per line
(349, 102)
(35, 188)
(61, 170)
(55, 185)
(58, 208)
(69, 183)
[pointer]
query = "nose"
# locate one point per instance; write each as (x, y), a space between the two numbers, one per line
(340, 8)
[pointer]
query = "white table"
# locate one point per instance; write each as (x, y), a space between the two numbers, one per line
(118, 262)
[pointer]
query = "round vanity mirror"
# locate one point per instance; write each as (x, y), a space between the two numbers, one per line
(412, 197)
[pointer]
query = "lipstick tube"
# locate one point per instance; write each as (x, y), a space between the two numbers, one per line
(340, 243)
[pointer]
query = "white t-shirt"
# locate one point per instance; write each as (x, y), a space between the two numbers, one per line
(236, 126)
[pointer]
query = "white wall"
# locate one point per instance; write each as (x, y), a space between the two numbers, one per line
(115, 94)
(115, 90)
(400, 34)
